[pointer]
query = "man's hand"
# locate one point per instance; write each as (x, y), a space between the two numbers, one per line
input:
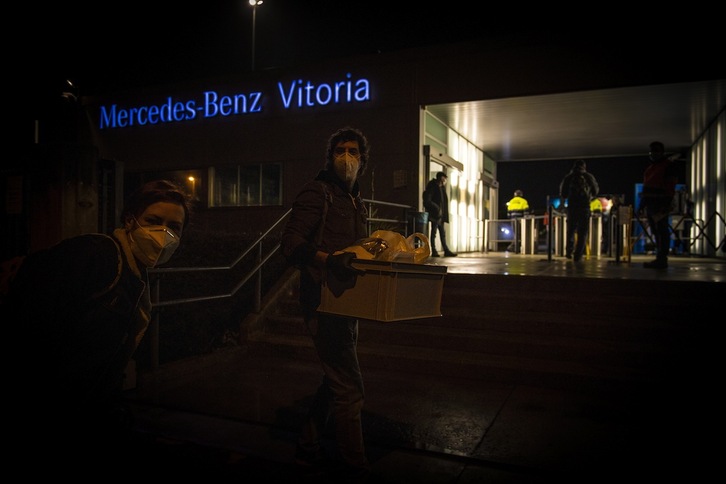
(340, 265)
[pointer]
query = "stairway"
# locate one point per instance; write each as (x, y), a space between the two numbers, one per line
(557, 332)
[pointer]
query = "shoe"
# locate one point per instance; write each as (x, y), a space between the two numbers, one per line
(576, 259)
(435, 254)
(450, 254)
(568, 256)
(656, 264)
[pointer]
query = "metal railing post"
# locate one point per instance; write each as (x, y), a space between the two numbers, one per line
(549, 230)
(258, 284)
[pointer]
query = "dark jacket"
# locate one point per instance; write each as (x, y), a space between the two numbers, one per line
(78, 305)
(576, 200)
(436, 202)
(659, 186)
(346, 219)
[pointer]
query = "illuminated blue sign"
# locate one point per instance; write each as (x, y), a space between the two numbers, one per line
(296, 94)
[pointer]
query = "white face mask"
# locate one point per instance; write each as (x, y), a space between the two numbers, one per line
(346, 167)
(153, 244)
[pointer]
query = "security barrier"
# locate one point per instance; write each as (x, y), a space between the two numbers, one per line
(520, 235)
(618, 234)
(688, 235)
(594, 246)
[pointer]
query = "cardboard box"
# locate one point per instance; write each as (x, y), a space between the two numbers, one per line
(387, 291)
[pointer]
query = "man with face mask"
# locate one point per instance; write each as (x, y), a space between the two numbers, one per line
(84, 306)
(327, 216)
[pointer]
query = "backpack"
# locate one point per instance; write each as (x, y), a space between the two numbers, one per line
(579, 189)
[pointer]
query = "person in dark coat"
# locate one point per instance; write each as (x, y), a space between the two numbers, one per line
(579, 187)
(81, 308)
(436, 203)
(327, 216)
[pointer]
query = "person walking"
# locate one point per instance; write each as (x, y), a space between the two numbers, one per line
(83, 307)
(579, 187)
(327, 216)
(436, 203)
(517, 208)
(659, 188)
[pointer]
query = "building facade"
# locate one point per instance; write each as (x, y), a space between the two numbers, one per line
(244, 145)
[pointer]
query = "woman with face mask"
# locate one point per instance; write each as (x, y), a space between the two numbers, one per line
(84, 306)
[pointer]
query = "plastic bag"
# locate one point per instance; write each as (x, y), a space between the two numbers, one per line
(391, 246)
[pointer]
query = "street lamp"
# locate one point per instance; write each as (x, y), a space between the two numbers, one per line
(254, 4)
(193, 181)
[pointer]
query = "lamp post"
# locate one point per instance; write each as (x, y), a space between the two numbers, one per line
(254, 4)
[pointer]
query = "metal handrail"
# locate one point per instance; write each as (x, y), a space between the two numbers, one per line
(255, 271)
(261, 260)
(403, 222)
(157, 273)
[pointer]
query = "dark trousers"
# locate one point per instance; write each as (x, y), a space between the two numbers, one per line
(578, 224)
(341, 393)
(436, 226)
(658, 222)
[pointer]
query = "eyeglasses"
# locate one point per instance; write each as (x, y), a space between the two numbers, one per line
(352, 151)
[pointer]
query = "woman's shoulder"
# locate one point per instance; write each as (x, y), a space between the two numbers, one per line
(93, 245)
(78, 266)
(97, 256)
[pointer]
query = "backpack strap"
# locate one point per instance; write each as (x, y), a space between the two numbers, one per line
(328, 201)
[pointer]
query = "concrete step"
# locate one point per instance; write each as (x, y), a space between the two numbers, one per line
(537, 330)
(622, 348)
(517, 369)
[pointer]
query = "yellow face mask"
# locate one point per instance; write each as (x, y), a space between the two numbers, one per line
(346, 167)
(153, 244)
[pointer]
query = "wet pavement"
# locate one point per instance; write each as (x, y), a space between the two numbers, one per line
(426, 430)
(234, 414)
(680, 268)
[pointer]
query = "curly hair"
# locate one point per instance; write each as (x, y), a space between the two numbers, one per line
(343, 135)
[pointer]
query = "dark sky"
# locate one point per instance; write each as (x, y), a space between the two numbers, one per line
(106, 47)
(133, 43)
